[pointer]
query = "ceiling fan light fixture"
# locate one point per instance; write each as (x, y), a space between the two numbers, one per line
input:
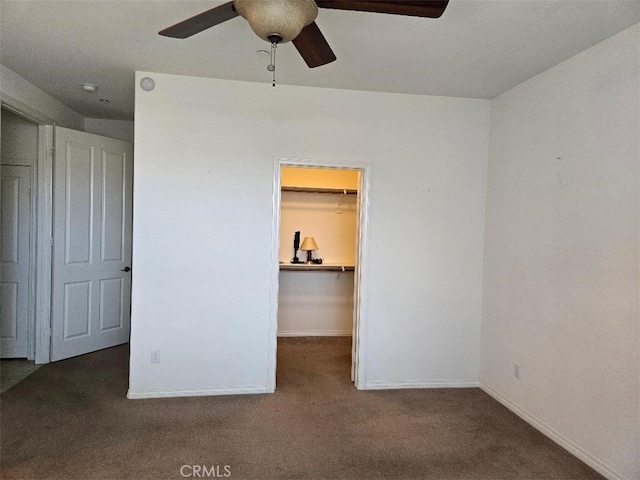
(277, 18)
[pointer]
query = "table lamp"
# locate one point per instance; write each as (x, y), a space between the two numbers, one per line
(309, 244)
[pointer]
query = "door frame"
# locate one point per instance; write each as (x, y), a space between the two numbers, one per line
(44, 245)
(42, 176)
(361, 269)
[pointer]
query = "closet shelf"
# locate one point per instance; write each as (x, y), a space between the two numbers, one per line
(347, 191)
(326, 267)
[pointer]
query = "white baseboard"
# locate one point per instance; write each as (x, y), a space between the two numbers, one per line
(315, 333)
(557, 437)
(132, 394)
(438, 384)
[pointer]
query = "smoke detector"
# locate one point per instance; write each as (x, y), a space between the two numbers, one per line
(89, 87)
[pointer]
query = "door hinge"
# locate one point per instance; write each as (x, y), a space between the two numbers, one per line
(51, 241)
(50, 152)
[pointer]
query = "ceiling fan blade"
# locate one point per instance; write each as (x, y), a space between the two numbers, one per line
(313, 47)
(201, 22)
(413, 8)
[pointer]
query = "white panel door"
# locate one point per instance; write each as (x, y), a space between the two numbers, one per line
(15, 260)
(91, 297)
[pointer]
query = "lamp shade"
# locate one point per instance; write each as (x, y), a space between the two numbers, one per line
(309, 244)
(283, 18)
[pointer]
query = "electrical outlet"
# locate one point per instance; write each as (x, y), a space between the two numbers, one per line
(155, 356)
(516, 370)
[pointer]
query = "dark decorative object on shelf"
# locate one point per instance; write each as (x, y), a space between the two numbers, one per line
(296, 246)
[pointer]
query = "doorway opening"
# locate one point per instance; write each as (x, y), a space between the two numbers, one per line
(98, 165)
(21, 127)
(319, 244)
(18, 166)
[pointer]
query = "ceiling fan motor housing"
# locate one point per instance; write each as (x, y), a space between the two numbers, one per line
(277, 18)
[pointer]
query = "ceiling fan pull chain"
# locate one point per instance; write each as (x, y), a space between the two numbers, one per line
(272, 66)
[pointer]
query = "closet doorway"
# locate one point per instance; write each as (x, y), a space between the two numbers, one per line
(320, 242)
(18, 168)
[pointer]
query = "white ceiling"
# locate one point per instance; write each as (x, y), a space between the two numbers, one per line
(477, 49)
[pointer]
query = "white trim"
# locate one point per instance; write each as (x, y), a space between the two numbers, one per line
(33, 255)
(316, 333)
(360, 274)
(195, 393)
(274, 280)
(436, 384)
(43, 248)
(556, 436)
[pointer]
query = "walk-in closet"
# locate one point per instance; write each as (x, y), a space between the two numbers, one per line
(317, 255)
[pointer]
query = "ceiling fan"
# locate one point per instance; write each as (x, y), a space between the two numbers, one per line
(280, 21)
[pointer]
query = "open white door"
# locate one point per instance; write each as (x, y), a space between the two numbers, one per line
(92, 195)
(15, 258)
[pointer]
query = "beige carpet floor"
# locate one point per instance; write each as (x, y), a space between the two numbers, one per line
(14, 370)
(71, 420)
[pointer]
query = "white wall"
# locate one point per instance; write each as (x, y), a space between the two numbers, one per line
(204, 195)
(22, 95)
(315, 304)
(119, 129)
(331, 219)
(561, 276)
(19, 140)
(309, 177)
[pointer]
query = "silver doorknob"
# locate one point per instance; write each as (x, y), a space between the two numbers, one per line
(126, 269)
